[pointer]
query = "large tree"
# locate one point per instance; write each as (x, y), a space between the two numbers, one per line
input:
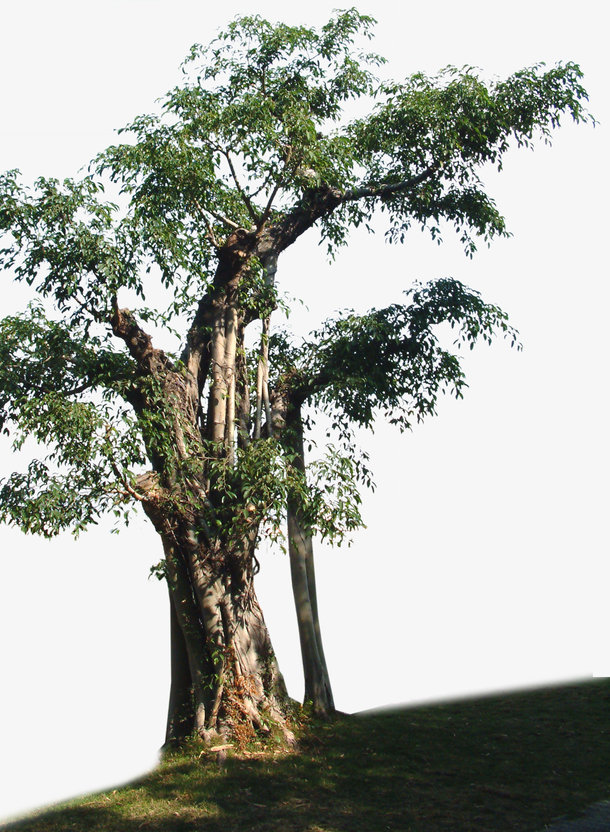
(251, 152)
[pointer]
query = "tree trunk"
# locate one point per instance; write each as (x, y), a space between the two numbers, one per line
(181, 715)
(313, 599)
(224, 671)
(244, 690)
(225, 677)
(318, 689)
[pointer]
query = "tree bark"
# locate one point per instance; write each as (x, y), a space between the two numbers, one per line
(225, 677)
(318, 689)
(313, 599)
(244, 689)
(180, 716)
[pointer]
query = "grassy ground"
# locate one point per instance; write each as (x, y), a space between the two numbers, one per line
(507, 763)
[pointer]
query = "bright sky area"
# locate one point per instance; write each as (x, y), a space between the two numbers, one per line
(483, 566)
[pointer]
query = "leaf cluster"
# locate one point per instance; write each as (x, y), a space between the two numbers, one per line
(61, 392)
(86, 471)
(451, 125)
(250, 496)
(246, 127)
(269, 91)
(390, 361)
(67, 243)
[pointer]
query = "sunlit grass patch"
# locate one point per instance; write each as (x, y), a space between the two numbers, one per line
(506, 763)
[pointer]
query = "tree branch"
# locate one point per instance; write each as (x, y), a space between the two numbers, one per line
(225, 220)
(246, 199)
(262, 187)
(268, 207)
(211, 236)
(138, 342)
(219, 217)
(80, 389)
(324, 200)
(387, 190)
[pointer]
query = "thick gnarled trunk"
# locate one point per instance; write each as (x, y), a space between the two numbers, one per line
(225, 677)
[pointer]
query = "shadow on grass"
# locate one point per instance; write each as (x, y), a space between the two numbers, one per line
(506, 763)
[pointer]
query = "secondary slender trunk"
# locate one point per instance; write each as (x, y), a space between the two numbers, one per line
(318, 690)
(313, 599)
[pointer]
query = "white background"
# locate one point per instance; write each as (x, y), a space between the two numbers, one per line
(484, 563)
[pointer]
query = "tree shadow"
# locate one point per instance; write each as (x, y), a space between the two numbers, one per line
(503, 763)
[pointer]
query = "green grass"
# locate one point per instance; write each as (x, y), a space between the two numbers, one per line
(507, 763)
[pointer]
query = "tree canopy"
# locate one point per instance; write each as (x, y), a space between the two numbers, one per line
(262, 142)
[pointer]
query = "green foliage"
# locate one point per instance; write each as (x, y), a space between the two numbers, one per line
(90, 446)
(67, 244)
(40, 356)
(250, 152)
(241, 134)
(390, 361)
(331, 499)
(253, 493)
(266, 92)
(450, 126)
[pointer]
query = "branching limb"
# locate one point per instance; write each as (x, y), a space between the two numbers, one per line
(223, 219)
(210, 235)
(324, 200)
(80, 389)
(263, 187)
(382, 191)
(82, 305)
(138, 342)
(246, 199)
(267, 211)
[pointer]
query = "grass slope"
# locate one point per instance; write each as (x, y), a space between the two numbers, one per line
(507, 763)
